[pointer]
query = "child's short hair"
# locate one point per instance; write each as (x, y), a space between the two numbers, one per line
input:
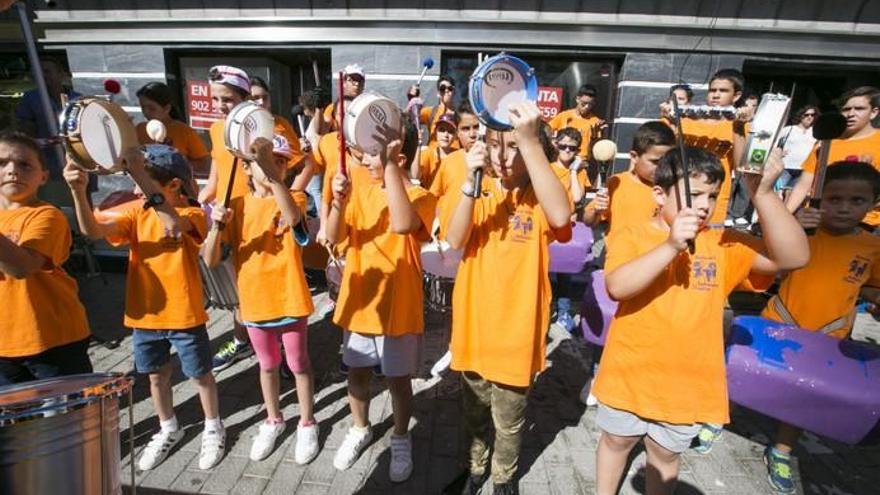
(445, 78)
(732, 75)
(260, 82)
(571, 133)
(685, 87)
(16, 138)
(310, 99)
(464, 108)
(653, 133)
(854, 171)
(872, 93)
(410, 136)
(700, 162)
(587, 90)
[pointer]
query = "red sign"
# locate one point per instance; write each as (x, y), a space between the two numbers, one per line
(198, 104)
(549, 101)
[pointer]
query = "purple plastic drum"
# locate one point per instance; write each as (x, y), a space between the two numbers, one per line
(571, 256)
(807, 379)
(597, 309)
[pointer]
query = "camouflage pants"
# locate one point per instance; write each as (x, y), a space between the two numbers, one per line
(486, 404)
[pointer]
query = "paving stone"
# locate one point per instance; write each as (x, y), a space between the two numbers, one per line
(286, 479)
(165, 474)
(249, 485)
(225, 475)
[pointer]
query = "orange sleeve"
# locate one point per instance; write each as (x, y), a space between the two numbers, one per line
(284, 128)
(328, 112)
(195, 147)
(198, 220)
(584, 179)
(124, 226)
(424, 115)
(48, 234)
(809, 165)
(425, 205)
(622, 247)
(742, 250)
(557, 122)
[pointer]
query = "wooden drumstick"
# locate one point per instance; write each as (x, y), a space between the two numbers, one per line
(682, 150)
(342, 147)
(227, 197)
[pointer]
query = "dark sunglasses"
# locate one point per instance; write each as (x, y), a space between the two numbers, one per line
(445, 89)
(567, 147)
(809, 115)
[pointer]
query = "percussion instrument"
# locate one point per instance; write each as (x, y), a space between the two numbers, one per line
(764, 130)
(440, 266)
(218, 283)
(604, 150)
(807, 379)
(343, 146)
(334, 273)
(497, 83)
(685, 164)
(157, 131)
(61, 435)
(244, 124)
(367, 119)
(572, 256)
(427, 64)
(95, 132)
(827, 127)
(597, 309)
(698, 112)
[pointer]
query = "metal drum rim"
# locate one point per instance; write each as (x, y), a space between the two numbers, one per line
(475, 90)
(36, 408)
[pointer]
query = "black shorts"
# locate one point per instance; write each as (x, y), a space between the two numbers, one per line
(68, 359)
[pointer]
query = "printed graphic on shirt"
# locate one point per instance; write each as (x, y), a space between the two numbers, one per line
(704, 272)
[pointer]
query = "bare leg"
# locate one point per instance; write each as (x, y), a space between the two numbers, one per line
(208, 395)
(359, 395)
(305, 394)
(611, 457)
(786, 438)
(401, 402)
(160, 391)
(270, 382)
(662, 469)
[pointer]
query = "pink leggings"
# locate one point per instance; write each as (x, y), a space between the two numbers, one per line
(266, 342)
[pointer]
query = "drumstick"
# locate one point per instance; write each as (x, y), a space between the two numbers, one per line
(682, 150)
(827, 127)
(478, 173)
(342, 167)
(302, 129)
(227, 197)
(315, 71)
(114, 155)
(426, 64)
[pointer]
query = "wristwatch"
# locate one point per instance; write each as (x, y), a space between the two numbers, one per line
(155, 199)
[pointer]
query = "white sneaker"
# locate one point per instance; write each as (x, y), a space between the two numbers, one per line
(401, 458)
(586, 396)
(213, 447)
(158, 449)
(264, 441)
(306, 444)
(728, 222)
(442, 365)
(351, 447)
(741, 222)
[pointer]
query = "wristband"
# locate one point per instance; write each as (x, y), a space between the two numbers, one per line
(468, 189)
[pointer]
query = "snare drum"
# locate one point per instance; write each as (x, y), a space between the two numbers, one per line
(365, 117)
(497, 83)
(244, 124)
(440, 265)
(61, 435)
(95, 132)
(218, 283)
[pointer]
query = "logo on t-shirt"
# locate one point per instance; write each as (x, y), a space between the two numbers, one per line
(858, 267)
(704, 273)
(522, 225)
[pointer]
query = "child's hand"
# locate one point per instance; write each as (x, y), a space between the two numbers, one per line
(220, 214)
(526, 121)
(601, 201)
(809, 218)
(745, 114)
(763, 184)
(77, 179)
(577, 164)
(684, 228)
(476, 158)
(341, 188)
(261, 149)
(391, 152)
(305, 145)
(666, 110)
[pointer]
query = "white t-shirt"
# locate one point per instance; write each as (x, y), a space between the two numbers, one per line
(797, 147)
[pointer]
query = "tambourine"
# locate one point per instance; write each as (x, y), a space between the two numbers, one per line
(95, 132)
(244, 124)
(764, 130)
(707, 112)
(365, 118)
(497, 83)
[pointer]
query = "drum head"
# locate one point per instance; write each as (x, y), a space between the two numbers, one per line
(101, 135)
(244, 124)
(366, 118)
(497, 84)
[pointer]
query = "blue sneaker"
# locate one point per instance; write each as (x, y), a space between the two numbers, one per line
(709, 434)
(563, 315)
(779, 470)
(229, 353)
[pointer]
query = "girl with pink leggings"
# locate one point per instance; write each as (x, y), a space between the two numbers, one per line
(261, 230)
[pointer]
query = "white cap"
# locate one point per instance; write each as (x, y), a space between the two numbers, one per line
(352, 69)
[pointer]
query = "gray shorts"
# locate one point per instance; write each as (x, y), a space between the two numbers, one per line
(398, 356)
(675, 438)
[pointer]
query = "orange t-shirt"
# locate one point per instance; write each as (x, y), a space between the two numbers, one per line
(180, 136)
(715, 136)
(866, 149)
(501, 299)
(42, 310)
(429, 164)
(381, 290)
(564, 175)
(571, 118)
(268, 261)
(283, 128)
(839, 267)
(163, 287)
(664, 357)
(631, 202)
(446, 186)
(327, 158)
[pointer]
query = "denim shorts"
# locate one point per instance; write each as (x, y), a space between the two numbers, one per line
(152, 350)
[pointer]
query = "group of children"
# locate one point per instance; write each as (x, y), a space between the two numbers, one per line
(670, 263)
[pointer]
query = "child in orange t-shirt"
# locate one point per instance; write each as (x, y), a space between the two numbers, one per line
(501, 299)
(663, 372)
(265, 230)
(821, 297)
(380, 301)
(45, 331)
(445, 144)
(860, 142)
(569, 167)
(582, 118)
(156, 100)
(163, 290)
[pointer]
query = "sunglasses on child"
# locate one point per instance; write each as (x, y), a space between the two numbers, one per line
(444, 88)
(567, 147)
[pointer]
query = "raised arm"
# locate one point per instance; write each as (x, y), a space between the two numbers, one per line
(459, 229)
(77, 179)
(134, 165)
(335, 230)
(274, 172)
(211, 254)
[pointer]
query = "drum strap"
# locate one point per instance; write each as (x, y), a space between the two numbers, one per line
(844, 321)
